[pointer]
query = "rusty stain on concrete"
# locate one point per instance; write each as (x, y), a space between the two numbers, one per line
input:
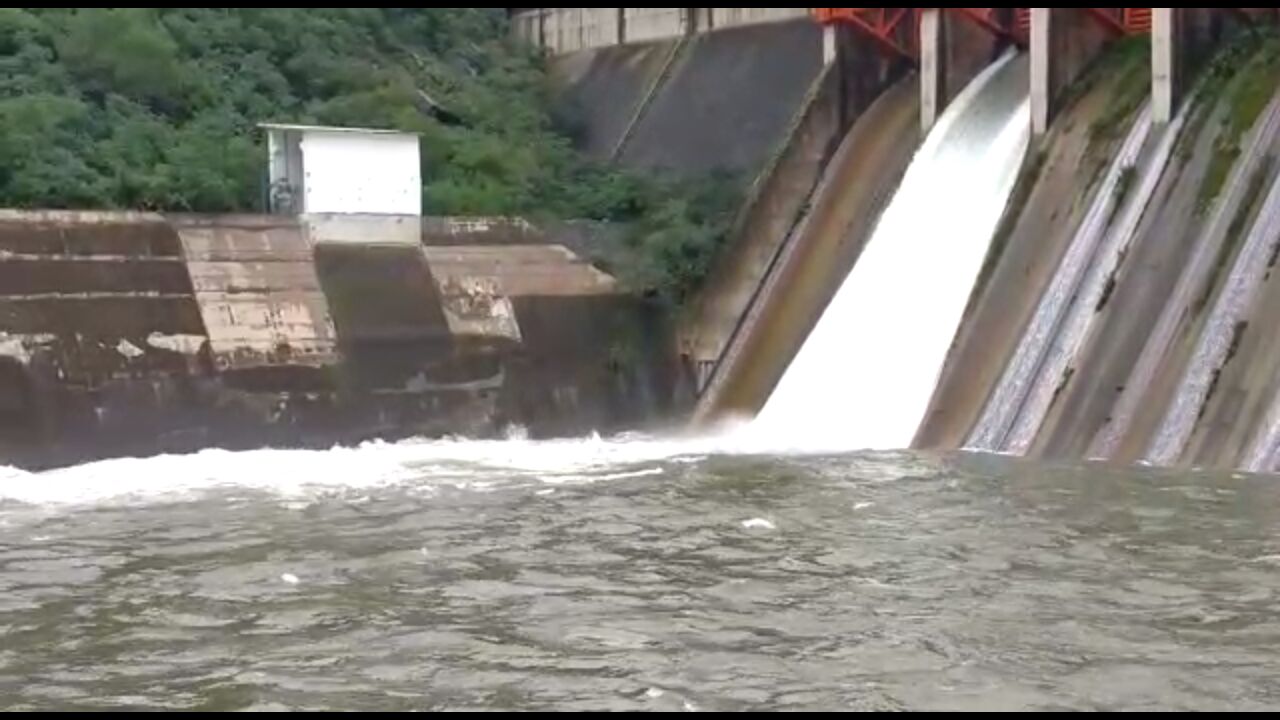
(258, 293)
(475, 306)
(521, 270)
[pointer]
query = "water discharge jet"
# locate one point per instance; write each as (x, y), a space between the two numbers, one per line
(864, 376)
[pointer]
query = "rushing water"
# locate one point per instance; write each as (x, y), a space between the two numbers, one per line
(882, 341)
(633, 575)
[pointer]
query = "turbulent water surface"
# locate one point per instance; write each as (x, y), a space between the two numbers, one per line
(633, 575)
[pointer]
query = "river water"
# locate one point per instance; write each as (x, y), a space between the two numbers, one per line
(634, 575)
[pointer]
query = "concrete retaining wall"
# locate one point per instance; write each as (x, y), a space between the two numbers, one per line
(601, 92)
(134, 334)
(572, 29)
(729, 100)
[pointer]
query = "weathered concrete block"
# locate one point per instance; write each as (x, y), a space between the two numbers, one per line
(258, 293)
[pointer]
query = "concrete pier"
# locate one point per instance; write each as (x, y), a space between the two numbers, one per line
(1062, 43)
(953, 50)
(933, 67)
(1166, 62)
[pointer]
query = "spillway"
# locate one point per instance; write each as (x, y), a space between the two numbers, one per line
(1217, 343)
(1197, 271)
(864, 376)
(1066, 315)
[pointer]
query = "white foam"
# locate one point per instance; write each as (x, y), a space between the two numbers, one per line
(299, 475)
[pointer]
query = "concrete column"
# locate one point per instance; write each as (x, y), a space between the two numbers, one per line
(1041, 51)
(696, 20)
(706, 19)
(1063, 43)
(1165, 61)
(933, 70)
(828, 44)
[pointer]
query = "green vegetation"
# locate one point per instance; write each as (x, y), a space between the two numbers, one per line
(1249, 205)
(1245, 73)
(1120, 193)
(1129, 62)
(155, 108)
(1237, 334)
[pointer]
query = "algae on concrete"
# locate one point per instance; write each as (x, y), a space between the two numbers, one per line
(1129, 61)
(1237, 334)
(1235, 231)
(1027, 180)
(1120, 192)
(1244, 97)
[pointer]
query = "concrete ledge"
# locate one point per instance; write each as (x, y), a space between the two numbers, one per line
(562, 31)
(350, 229)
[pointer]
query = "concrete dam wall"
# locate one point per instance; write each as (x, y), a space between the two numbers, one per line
(1120, 313)
(1137, 329)
(754, 99)
(759, 99)
(729, 99)
(691, 104)
(129, 333)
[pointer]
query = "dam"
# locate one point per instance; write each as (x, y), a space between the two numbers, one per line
(879, 286)
(976, 408)
(887, 359)
(1066, 238)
